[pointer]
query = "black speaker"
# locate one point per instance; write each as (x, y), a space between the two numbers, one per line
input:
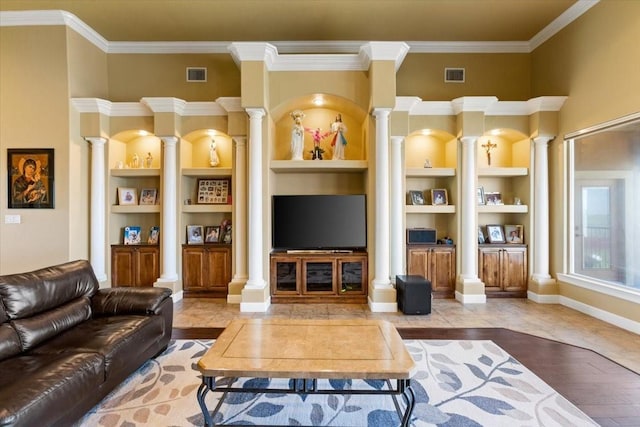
(414, 294)
(420, 236)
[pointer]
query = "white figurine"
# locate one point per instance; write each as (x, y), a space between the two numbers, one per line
(297, 135)
(148, 161)
(135, 162)
(214, 160)
(339, 141)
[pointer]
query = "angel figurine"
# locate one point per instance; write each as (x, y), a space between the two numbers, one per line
(317, 136)
(214, 160)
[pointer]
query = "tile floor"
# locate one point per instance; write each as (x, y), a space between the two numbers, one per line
(551, 321)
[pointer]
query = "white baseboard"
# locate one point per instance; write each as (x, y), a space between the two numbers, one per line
(234, 299)
(471, 299)
(177, 296)
(543, 299)
(605, 316)
(383, 307)
(255, 307)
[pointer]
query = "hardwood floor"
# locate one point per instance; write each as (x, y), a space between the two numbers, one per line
(603, 389)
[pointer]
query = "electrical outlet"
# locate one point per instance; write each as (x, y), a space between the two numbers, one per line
(12, 219)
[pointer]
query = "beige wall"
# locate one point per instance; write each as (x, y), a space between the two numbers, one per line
(596, 62)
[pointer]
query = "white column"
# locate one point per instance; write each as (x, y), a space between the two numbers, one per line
(168, 232)
(98, 207)
(469, 283)
(541, 211)
(239, 218)
(397, 201)
(381, 262)
(256, 274)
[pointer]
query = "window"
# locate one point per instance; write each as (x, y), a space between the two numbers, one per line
(604, 213)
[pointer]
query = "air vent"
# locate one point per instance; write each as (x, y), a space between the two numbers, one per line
(196, 74)
(454, 75)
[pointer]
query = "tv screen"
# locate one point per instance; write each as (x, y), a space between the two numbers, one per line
(308, 222)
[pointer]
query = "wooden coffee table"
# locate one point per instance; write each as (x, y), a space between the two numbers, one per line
(308, 350)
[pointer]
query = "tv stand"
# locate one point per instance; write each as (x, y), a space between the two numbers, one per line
(322, 276)
(319, 251)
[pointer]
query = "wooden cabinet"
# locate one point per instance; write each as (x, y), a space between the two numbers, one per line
(503, 269)
(323, 277)
(206, 270)
(134, 265)
(437, 263)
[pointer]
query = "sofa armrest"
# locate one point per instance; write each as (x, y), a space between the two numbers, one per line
(118, 301)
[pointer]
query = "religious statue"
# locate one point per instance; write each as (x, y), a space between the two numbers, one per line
(214, 160)
(317, 135)
(135, 161)
(148, 160)
(297, 135)
(489, 146)
(339, 141)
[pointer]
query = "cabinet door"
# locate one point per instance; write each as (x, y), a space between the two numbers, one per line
(217, 268)
(318, 275)
(285, 275)
(193, 268)
(352, 275)
(489, 260)
(514, 269)
(147, 266)
(442, 265)
(122, 267)
(418, 262)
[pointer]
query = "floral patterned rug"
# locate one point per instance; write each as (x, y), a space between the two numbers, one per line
(458, 383)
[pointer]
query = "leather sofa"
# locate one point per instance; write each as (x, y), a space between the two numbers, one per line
(65, 343)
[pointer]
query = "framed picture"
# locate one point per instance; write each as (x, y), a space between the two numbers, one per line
(154, 236)
(495, 234)
(480, 196)
(148, 196)
(127, 196)
(416, 197)
(225, 231)
(194, 235)
(480, 235)
(439, 197)
(30, 178)
(494, 198)
(212, 234)
(132, 235)
(514, 233)
(213, 191)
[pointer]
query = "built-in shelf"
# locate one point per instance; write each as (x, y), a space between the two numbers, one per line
(503, 209)
(313, 166)
(206, 171)
(423, 209)
(129, 172)
(505, 172)
(420, 172)
(206, 208)
(135, 209)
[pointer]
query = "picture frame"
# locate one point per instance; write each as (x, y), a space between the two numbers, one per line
(148, 196)
(154, 235)
(213, 191)
(195, 235)
(416, 197)
(493, 198)
(514, 233)
(495, 233)
(131, 235)
(481, 239)
(480, 196)
(30, 178)
(127, 196)
(212, 234)
(439, 197)
(225, 231)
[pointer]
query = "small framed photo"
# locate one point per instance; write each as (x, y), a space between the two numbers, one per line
(154, 235)
(494, 198)
(495, 234)
(416, 197)
(225, 231)
(127, 196)
(195, 235)
(148, 196)
(212, 234)
(439, 196)
(480, 196)
(132, 235)
(213, 191)
(30, 178)
(480, 235)
(514, 233)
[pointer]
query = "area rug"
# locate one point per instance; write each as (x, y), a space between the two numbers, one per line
(458, 383)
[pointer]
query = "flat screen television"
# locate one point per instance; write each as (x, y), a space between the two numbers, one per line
(319, 222)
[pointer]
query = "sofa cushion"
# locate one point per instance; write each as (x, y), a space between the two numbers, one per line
(27, 294)
(41, 327)
(9, 341)
(118, 339)
(33, 385)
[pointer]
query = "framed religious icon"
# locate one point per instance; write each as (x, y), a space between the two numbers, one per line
(495, 234)
(30, 178)
(213, 191)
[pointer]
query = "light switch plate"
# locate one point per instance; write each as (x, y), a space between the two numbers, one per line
(12, 219)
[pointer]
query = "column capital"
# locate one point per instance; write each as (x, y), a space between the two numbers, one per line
(169, 140)
(381, 113)
(468, 139)
(397, 140)
(255, 113)
(96, 140)
(543, 139)
(239, 140)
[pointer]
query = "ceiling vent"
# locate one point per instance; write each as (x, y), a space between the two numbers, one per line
(196, 74)
(454, 75)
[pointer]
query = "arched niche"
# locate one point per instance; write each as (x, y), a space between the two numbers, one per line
(195, 149)
(436, 146)
(509, 148)
(127, 145)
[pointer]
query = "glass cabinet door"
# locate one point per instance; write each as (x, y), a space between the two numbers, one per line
(318, 276)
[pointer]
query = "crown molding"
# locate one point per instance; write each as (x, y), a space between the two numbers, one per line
(473, 103)
(230, 104)
(433, 108)
(384, 51)
(567, 17)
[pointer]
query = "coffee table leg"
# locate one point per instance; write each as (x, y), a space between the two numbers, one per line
(208, 383)
(410, 400)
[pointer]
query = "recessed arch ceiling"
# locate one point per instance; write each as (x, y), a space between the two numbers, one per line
(318, 20)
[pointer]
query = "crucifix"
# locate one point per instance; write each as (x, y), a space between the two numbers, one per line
(489, 146)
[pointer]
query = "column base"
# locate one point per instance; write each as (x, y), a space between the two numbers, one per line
(382, 297)
(470, 290)
(255, 300)
(169, 282)
(543, 289)
(236, 286)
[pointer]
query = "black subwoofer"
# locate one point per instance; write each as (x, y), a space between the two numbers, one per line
(414, 294)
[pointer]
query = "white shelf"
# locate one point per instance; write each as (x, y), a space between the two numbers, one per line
(425, 209)
(206, 208)
(503, 209)
(139, 172)
(421, 172)
(144, 209)
(502, 172)
(222, 172)
(319, 165)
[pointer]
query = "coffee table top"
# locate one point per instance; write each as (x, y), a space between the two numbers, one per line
(305, 348)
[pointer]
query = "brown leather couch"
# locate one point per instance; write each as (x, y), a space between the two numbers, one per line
(65, 344)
